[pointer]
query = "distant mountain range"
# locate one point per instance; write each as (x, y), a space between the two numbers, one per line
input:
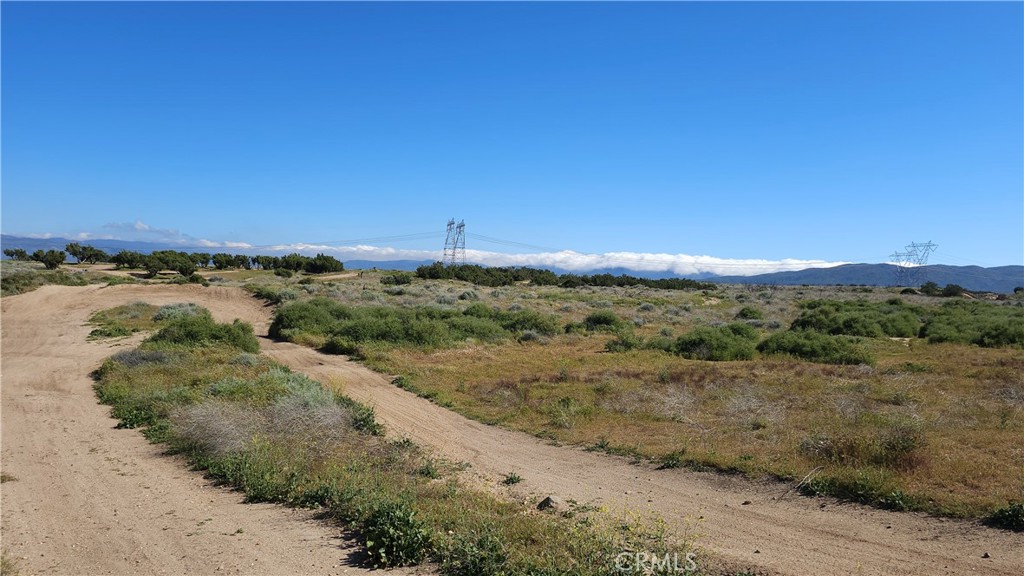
(976, 278)
(997, 279)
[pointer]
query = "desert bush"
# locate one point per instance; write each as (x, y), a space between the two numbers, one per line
(202, 330)
(749, 313)
(396, 279)
(429, 327)
(138, 357)
(731, 342)
(816, 347)
(624, 342)
(976, 323)
(175, 311)
(859, 318)
(342, 346)
(602, 320)
(21, 282)
(316, 316)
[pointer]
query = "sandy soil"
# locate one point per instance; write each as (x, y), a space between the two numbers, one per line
(89, 499)
(92, 499)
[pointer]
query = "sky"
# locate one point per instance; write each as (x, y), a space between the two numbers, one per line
(751, 137)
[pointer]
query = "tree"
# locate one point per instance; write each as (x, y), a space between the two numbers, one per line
(128, 259)
(323, 264)
(242, 261)
(86, 254)
(180, 262)
(76, 250)
(52, 259)
(930, 289)
(201, 259)
(17, 254)
(266, 262)
(294, 262)
(223, 261)
(953, 290)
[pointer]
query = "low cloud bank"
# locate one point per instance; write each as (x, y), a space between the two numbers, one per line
(681, 264)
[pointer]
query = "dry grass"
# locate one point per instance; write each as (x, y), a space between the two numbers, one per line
(937, 425)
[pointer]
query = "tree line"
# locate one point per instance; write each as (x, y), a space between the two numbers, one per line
(184, 263)
(508, 275)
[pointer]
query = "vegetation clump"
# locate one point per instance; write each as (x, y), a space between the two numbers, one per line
(977, 323)
(732, 342)
(347, 326)
(509, 275)
(891, 318)
(816, 347)
(201, 330)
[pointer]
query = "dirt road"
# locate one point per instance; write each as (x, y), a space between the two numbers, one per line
(57, 441)
(88, 499)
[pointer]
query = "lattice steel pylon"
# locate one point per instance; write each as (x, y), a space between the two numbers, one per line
(900, 259)
(455, 243)
(911, 265)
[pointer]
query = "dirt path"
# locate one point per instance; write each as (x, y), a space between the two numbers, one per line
(44, 346)
(90, 499)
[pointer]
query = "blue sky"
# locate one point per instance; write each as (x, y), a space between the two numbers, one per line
(835, 132)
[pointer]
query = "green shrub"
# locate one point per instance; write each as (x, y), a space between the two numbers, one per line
(474, 555)
(317, 316)
(342, 346)
(859, 318)
(175, 311)
(202, 330)
(602, 320)
(749, 313)
(624, 342)
(732, 342)
(396, 279)
(394, 536)
(978, 323)
(1010, 517)
(816, 347)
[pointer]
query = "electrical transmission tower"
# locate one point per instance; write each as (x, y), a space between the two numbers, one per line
(910, 265)
(455, 243)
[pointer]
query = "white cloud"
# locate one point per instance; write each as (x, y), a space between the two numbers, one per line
(139, 230)
(680, 264)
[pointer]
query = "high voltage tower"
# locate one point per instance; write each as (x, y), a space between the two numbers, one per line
(455, 243)
(910, 263)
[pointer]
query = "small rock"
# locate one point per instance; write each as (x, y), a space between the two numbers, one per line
(985, 555)
(745, 502)
(757, 551)
(552, 502)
